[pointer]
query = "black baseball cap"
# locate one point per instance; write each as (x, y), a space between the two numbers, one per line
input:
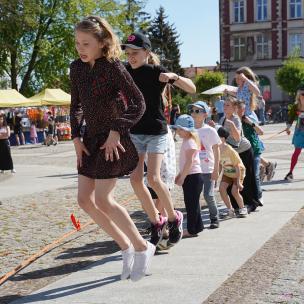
(137, 41)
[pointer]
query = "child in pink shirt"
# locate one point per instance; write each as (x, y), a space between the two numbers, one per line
(190, 174)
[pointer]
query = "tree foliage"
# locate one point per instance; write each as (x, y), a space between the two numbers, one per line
(136, 19)
(37, 39)
(182, 100)
(208, 80)
(165, 42)
(290, 75)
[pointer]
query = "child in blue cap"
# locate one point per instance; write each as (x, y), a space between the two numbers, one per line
(190, 173)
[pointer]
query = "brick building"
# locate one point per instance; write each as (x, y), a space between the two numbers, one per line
(260, 34)
(192, 71)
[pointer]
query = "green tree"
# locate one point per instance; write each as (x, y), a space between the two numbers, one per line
(182, 101)
(136, 19)
(208, 80)
(165, 42)
(290, 75)
(37, 39)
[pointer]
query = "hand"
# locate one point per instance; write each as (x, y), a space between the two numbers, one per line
(179, 180)
(211, 123)
(165, 77)
(111, 146)
(240, 186)
(288, 131)
(80, 148)
(214, 175)
(243, 77)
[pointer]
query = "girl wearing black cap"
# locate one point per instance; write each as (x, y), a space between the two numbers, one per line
(98, 81)
(150, 134)
(296, 113)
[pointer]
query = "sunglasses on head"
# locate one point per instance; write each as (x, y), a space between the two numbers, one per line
(197, 111)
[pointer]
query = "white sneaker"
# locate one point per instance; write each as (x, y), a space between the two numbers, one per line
(243, 212)
(127, 262)
(2, 171)
(142, 261)
(13, 171)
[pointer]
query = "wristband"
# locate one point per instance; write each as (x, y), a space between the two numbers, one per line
(171, 81)
(253, 125)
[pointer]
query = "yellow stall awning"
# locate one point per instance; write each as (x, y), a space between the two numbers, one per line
(11, 98)
(52, 97)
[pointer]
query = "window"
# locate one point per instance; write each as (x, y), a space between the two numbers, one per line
(239, 11)
(296, 42)
(262, 47)
(295, 9)
(239, 46)
(262, 10)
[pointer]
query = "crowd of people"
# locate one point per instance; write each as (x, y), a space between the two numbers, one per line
(119, 128)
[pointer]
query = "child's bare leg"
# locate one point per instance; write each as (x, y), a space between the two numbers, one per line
(236, 194)
(224, 195)
(160, 207)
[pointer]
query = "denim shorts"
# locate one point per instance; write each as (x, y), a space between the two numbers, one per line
(150, 143)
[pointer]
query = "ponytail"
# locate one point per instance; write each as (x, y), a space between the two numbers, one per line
(153, 59)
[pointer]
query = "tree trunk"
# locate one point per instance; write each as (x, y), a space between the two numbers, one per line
(13, 73)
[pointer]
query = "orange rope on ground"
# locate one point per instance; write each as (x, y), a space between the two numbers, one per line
(49, 247)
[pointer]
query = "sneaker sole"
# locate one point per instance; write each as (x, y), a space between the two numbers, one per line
(161, 235)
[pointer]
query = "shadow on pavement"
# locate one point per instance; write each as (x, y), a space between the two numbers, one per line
(52, 271)
(69, 175)
(97, 248)
(281, 181)
(69, 290)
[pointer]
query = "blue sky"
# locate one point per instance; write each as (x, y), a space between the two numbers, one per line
(197, 22)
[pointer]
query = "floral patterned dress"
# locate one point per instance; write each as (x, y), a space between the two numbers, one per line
(244, 94)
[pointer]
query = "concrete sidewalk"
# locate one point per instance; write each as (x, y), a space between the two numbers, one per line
(193, 269)
(35, 178)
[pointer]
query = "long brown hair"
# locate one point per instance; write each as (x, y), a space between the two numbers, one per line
(251, 76)
(4, 120)
(104, 33)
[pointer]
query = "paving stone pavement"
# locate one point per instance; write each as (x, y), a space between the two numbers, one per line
(31, 220)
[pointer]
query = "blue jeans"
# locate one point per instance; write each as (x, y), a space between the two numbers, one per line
(208, 185)
(257, 161)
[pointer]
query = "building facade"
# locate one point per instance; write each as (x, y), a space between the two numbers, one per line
(192, 72)
(260, 34)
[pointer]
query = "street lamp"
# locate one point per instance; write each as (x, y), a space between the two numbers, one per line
(225, 67)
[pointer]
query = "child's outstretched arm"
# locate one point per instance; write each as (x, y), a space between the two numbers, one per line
(183, 83)
(179, 180)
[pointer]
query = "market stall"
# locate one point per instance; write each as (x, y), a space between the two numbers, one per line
(57, 101)
(37, 110)
(11, 98)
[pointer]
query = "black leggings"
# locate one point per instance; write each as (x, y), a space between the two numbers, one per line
(192, 188)
(250, 192)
